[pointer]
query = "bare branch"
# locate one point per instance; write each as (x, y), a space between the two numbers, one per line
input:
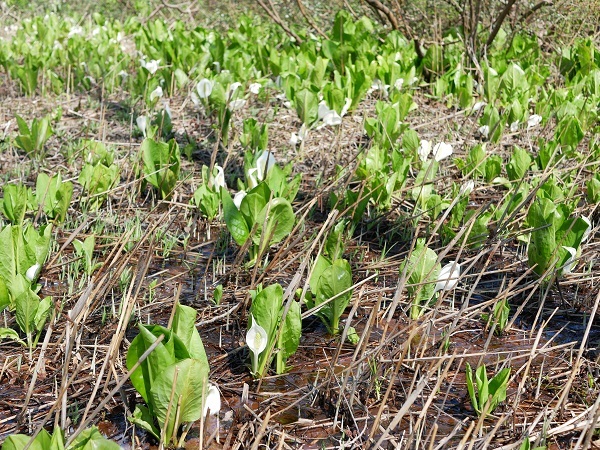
(377, 5)
(499, 22)
(309, 19)
(275, 17)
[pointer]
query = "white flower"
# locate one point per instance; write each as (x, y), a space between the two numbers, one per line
(297, 138)
(234, 105)
(238, 197)
(212, 401)
(142, 123)
(323, 110)
(477, 106)
(514, 127)
(398, 83)
(195, 99)
(156, 93)
(218, 181)
(255, 88)
(588, 230)
(204, 88)
(441, 151)
(534, 120)
(264, 162)
(151, 66)
(167, 109)
(252, 181)
(123, 74)
(332, 118)
(484, 130)
(466, 188)
(32, 272)
(570, 264)
(346, 107)
(74, 31)
(256, 339)
(232, 88)
(448, 278)
(424, 150)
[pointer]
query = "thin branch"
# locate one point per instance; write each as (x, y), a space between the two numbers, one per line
(309, 19)
(526, 16)
(275, 17)
(499, 22)
(377, 5)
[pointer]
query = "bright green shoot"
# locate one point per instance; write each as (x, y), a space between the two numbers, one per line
(489, 392)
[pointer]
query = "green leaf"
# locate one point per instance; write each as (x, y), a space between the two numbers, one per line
(292, 329)
(497, 388)
(143, 419)
(184, 326)
(92, 439)
(307, 106)
(189, 388)
(275, 222)
(236, 224)
(519, 164)
(18, 442)
(422, 271)
(160, 358)
(9, 333)
(471, 388)
(335, 279)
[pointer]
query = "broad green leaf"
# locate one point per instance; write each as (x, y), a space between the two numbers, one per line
(4, 295)
(236, 224)
(188, 390)
(160, 358)
(92, 439)
(143, 419)
(335, 279)
(279, 218)
(18, 442)
(519, 164)
(9, 333)
(471, 388)
(307, 106)
(498, 386)
(184, 326)
(422, 270)
(292, 330)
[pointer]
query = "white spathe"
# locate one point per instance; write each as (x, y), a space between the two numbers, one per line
(441, 151)
(150, 66)
(254, 88)
(297, 138)
(514, 127)
(467, 188)
(234, 105)
(218, 181)
(156, 93)
(448, 278)
(264, 162)
(484, 131)
(204, 88)
(238, 197)
(212, 402)
(424, 149)
(142, 123)
(534, 120)
(32, 272)
(477, 106)
(570, 264)
(588, 230)
(252, 181)
(256, 339)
